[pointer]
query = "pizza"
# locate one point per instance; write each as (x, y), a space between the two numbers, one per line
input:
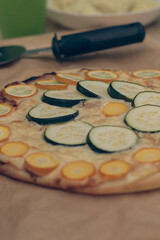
(93, 131)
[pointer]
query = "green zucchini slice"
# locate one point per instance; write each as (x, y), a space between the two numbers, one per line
(111, 138)
(95, 89)
(147, 97)
(46, 114)
(144, 118)
(63, 98)
(73, 133)
(124, 90)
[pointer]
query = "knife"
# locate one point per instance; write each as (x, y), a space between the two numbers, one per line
(80, 43)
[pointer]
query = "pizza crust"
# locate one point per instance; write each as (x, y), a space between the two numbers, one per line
(92, 187)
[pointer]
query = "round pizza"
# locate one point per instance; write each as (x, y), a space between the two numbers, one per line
(85, 130)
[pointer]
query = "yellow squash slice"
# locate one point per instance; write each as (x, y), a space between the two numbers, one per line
(4, 133)
(78, 170)
(147, 155)
(20, 91)
(40, 163)
(147, 73)
(50, 85)
(5, 109)
(101, 75)
(14, 149)
(114, 169)
(114, 109)
(68, 78)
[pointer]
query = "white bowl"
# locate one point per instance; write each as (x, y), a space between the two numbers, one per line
(78, 21)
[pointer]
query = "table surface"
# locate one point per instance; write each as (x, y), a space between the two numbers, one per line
(36, 213)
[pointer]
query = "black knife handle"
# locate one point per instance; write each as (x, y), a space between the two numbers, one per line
(95, 40)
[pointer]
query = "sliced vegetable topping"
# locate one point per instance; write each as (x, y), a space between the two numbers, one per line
(101, 75)
(93, 88)
(14, 149)
(114, 169)
(147, 73)
(20, 91)
(144, 118)
(114, 109)
(45, 114)
(64, 98)
(147, 155)
(124, 90)
(5, 109)
(72, 134)
(4, 133)
(147, 97)
(78, 170)
(40, 163)
(50, 85)
(68, 78)
(111, 138)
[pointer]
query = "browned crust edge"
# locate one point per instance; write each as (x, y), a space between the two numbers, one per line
(149, 183)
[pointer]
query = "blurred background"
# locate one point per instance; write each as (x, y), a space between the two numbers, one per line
(30, 17)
